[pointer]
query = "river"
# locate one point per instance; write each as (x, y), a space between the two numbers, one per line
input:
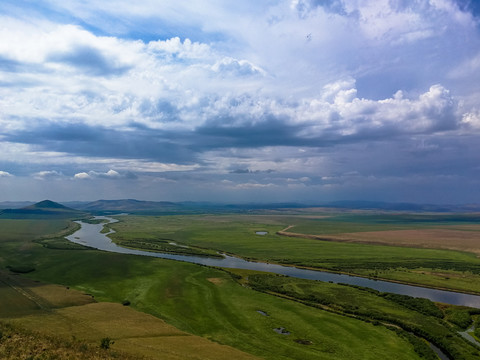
(90, 235)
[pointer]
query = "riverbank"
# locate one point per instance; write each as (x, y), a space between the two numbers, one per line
(91, 234)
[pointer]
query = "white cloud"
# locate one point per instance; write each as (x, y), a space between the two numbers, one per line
(5, 174)
(253, 185)
(110, 174)
(472, 120)
(237, 67)
(48, 174)
(186, 49)
(432, 111)
(82, 176)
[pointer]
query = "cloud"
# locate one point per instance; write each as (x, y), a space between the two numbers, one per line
(336, 116)
(175, 47)
(9, 65)
(110, 174)
(304, 7)
(89, 60)
(5, 174)
(248, 171)
(346, 118)
(47, 174)
(472, 120)
(204, 91)
(237, 67)
(82, 176)
(470, 67)
(253, 185)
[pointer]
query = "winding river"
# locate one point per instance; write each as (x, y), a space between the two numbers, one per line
(90, 235)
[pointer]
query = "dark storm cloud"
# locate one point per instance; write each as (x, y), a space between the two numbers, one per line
(42, 131)
(83, 140)
(268, 131)
(89, 59)
(368, 121)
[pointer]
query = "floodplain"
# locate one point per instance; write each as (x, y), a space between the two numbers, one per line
(237, 313)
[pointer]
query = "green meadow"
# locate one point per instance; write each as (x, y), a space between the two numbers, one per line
(236, 234)
(239, 313)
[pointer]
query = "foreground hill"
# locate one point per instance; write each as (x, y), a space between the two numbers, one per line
(45, 321)
(41, 210)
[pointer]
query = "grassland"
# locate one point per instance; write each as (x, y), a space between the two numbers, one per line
(418, 316)
(19, 343)
(213, 313)
(208, 303)
(182, 310)
(235, 234)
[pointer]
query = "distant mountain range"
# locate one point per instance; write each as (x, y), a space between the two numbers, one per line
(74, 209)
(126, 205)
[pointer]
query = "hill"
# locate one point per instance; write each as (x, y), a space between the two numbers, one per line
(48, 205)
(41, 210)
(128, 205)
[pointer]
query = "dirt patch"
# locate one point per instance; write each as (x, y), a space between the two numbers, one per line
(458, 238)
(216, 281)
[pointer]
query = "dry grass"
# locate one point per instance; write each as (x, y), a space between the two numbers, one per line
(216, 281)
(133, 332)
(44, 324)
(19, 295)
(460, 238)
(17, 343)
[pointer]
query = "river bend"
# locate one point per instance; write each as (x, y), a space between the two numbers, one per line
(90, 235)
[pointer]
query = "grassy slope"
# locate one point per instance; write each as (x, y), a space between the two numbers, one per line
(236, 234)
(18, 343)
(44, 317)
(414, 315)
(209, 303)
(205, 302)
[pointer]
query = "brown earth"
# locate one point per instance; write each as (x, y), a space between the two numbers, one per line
(460, 238)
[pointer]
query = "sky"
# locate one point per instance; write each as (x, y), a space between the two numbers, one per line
(240, 101)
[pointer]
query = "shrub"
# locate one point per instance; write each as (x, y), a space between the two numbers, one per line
(106, 342)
